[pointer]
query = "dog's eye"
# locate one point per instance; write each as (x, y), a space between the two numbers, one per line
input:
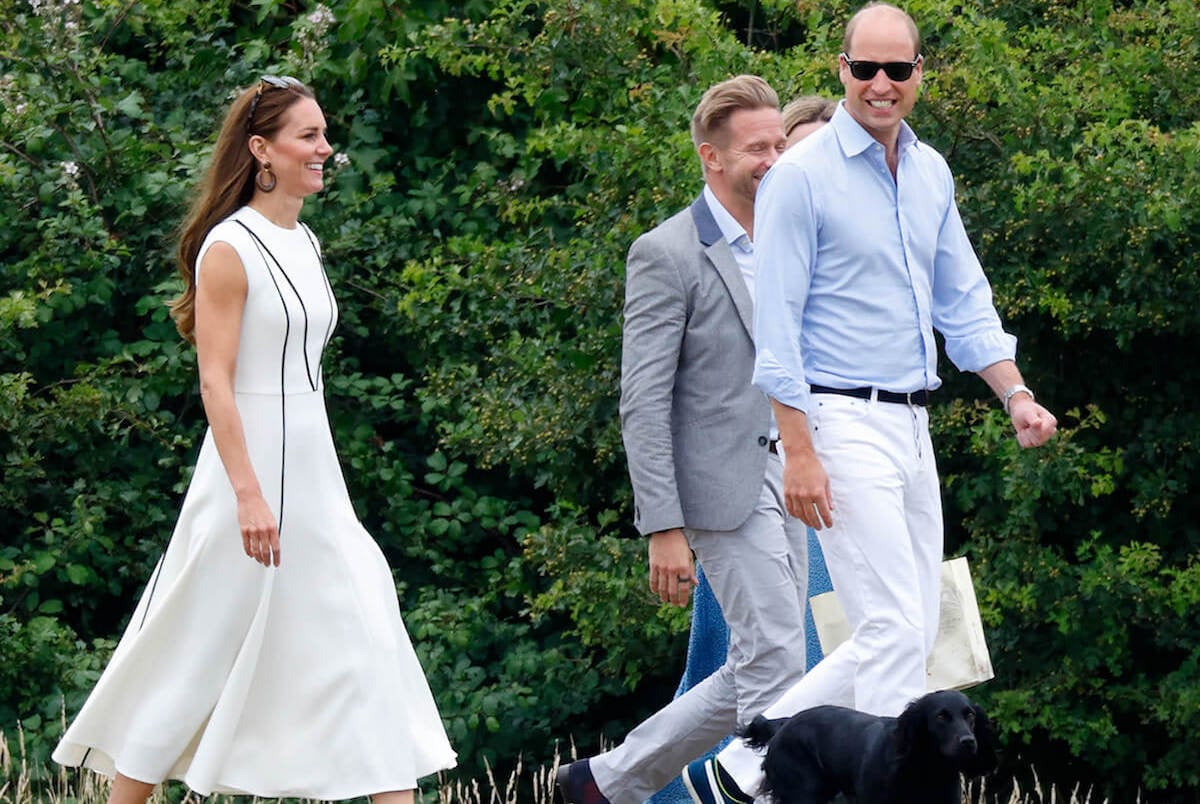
(969, 716)
(943, 716)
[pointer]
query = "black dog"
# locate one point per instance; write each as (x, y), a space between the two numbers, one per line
(913, 759)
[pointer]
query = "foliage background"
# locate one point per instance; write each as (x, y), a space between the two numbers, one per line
(502, 157)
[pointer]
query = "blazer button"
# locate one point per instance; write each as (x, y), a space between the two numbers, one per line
(762, 441)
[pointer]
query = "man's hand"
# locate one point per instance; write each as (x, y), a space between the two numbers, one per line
(806, 488)
(672, 574)
(1033, 423)
(805, 484)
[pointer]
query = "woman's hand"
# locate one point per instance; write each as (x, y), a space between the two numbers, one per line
(260, 532)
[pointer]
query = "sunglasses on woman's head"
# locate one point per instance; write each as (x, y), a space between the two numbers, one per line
(895, 70)
(268, 82)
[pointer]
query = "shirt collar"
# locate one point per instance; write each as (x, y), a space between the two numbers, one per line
(731, 230)
(855, 139)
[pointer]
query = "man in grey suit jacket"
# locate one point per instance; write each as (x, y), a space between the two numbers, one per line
(702, 451)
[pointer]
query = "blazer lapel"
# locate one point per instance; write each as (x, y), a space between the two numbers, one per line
(722, 259)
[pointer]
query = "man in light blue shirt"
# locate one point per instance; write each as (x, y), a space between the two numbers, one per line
(703, 460)
(860, 255)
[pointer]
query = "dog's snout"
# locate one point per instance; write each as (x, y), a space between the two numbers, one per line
(967, 743)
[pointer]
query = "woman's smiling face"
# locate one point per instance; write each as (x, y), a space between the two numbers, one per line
(298, 151)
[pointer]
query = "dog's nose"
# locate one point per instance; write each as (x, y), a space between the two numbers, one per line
(967, 744)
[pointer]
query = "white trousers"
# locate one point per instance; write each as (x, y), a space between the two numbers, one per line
(884, 554)
(759, 575)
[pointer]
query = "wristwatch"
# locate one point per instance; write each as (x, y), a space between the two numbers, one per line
(1011, 392)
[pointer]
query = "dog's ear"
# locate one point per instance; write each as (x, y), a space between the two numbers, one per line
(984, 760)
(759, 731)
(912, 732)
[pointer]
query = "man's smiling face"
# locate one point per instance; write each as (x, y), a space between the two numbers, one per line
(879, 104)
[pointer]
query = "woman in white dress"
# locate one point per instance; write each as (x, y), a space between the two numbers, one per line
(244, 670)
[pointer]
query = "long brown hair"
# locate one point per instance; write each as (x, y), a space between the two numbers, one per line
(229, 182)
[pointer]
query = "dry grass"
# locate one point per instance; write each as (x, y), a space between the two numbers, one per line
(977, 791)
(20, 783)
(533, 785)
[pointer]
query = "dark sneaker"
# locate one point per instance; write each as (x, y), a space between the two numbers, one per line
(576, 784)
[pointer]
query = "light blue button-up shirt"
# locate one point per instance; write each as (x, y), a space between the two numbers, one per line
(855, 270)
(743, 254)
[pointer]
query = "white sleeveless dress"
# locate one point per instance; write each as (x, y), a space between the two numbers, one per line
(233, 677)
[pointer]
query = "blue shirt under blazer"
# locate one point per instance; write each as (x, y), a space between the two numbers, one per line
(855, 270)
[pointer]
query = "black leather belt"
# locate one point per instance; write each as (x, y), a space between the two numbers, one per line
(912, 398)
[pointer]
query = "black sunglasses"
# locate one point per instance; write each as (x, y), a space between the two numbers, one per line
(267, 82)
(895, 70)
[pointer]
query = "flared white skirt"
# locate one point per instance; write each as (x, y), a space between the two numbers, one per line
(233, 677)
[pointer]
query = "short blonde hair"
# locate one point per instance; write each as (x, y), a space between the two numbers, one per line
(807, 109)
(721, 100)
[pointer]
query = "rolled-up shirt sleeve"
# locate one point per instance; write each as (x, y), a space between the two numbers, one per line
(784, 253)
(963, 308)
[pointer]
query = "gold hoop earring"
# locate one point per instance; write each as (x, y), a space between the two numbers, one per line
(266, 184)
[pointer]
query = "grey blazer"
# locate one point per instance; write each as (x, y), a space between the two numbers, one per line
(695, 429)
